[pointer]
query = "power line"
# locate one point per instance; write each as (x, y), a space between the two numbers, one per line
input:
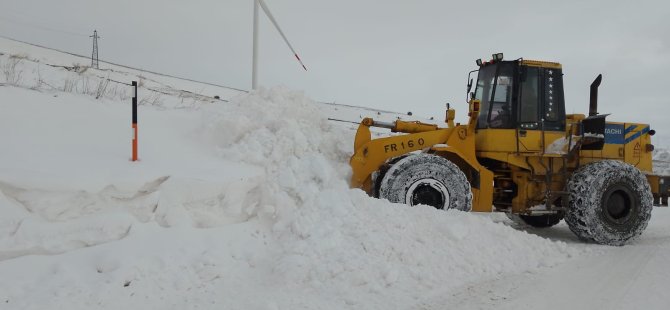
(125, 66)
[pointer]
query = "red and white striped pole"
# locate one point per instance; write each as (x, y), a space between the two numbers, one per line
(274, 22)
(254, 61)
(134, 121)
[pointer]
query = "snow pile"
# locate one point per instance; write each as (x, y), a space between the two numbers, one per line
(269, 224)
(339, 242)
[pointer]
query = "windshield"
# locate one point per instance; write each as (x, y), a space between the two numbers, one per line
(495, 94)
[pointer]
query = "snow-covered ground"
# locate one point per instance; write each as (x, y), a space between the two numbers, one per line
(629, 277)
(243, 203)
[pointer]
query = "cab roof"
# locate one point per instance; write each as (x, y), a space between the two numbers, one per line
(542, 64)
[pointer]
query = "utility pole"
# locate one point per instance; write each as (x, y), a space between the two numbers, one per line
(94, 56)
(254, 61)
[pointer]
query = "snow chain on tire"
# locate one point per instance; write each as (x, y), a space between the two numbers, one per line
(610, 202)
(426, 179)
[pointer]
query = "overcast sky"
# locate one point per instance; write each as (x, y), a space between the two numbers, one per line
(395, 55)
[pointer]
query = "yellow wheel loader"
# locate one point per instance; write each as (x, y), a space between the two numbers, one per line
(520, 154)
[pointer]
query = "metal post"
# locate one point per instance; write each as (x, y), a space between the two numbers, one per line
(94, 55)
(134, 84)
(254, 62)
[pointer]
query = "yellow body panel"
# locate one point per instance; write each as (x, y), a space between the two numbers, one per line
(631, 149)
(505, 140)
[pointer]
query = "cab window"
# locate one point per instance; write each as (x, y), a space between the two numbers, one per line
(495, 94)
(529, 98)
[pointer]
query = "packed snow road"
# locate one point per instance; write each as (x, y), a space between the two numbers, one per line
(634, 276)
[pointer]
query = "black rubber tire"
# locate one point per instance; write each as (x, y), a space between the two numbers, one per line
(415, 179)
(378, 176)
(537, 221)
(610, 202)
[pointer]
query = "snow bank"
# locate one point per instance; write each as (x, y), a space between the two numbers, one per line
(341, 244)
(293, 236)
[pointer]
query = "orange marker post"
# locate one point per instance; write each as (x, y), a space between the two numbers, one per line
(134, 121)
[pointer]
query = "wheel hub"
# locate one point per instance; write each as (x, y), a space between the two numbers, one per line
(618, 204)
(428, 192)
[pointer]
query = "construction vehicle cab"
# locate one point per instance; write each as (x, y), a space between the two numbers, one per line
(522, 94)
(520, 154)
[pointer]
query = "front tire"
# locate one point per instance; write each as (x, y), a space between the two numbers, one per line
(610, 202)
(426, 179)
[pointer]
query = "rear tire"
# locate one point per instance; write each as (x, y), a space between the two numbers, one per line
(610, 202)
(426, 179)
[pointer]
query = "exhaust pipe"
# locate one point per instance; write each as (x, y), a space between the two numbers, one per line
(594, 124)
(593, 105)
